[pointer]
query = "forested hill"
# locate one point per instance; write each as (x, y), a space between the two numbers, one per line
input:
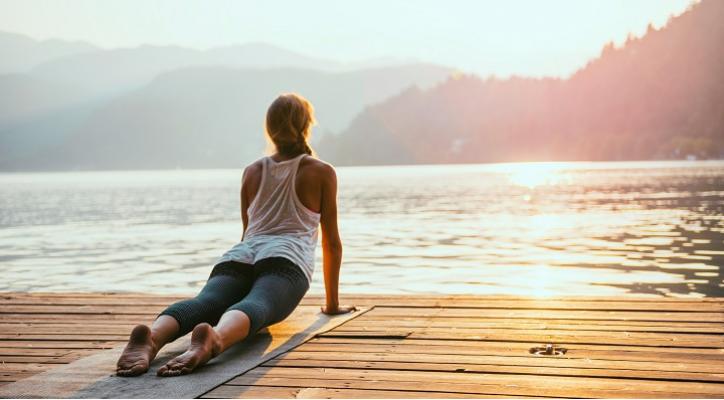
(655, 97)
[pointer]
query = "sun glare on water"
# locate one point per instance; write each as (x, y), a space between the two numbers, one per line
(531, 175)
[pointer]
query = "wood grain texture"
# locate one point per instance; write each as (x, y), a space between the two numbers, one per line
(76, 375)
(425, 346)
(614, 349)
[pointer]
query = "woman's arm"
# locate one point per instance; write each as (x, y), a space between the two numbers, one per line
(250, 181)
(244, 201)
(331, 243)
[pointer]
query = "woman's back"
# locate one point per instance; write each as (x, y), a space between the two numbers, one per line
(276, 208)
(281, 205)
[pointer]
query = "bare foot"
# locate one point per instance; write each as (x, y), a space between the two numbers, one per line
(205, 345)
(138, 353)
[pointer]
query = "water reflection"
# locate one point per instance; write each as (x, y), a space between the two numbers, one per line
(522, 229)
(530, 175)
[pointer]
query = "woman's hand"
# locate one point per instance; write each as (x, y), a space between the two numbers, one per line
(338, 310)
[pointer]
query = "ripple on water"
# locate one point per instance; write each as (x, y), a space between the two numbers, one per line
(653, 228)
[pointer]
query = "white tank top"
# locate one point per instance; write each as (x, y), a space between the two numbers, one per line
(279, 224)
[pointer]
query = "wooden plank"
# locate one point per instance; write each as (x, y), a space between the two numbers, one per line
(44, 352)
(119, 337)
(407, 324)
(630, 326)
(623, 326)
(90, 309)
(62, 337)
(454, 329)
(503, 321)
(439, 320)
(34, 352)
(80, 318)
(89, 329)
(422, 298)
(554, 314)
(83, 294)
(73, 321)
(94, 301)
(26, 367)
(493, 384)
(499, 369)
(75, 310)
(546, 336)
(452, 350)
(560, 305)
(529, 381)
(279, 392)
(8, 377)
(483, 344)
(400, 302)
(60, 344)
(21, 359)
(435, 389)
(519, 360)
(254, 392)
(382, 298)
(77, 322)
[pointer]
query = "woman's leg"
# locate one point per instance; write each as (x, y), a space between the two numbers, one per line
(227, 284)
(276, 292)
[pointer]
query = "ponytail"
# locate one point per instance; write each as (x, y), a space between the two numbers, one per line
(288, 124)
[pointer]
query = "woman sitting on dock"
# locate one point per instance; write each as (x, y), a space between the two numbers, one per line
(261, 280)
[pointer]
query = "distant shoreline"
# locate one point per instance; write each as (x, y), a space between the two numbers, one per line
(562, 163)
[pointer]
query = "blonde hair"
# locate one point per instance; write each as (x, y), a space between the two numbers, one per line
(288, 125)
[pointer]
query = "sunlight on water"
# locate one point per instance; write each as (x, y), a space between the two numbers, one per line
(530, 175)
(543, 229)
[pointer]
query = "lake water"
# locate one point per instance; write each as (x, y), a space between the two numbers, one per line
(644, 228)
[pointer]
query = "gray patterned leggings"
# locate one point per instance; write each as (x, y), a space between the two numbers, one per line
(267, 292)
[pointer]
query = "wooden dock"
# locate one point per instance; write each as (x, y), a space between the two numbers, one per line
(420, 346)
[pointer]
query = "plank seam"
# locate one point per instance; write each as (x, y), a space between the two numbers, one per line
(332, 335)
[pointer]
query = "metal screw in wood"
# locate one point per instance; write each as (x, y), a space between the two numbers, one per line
(548, 350)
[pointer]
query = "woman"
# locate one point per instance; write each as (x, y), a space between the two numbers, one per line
(258, 282)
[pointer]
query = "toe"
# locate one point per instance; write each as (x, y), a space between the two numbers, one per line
(170, 369)
(125, 372)
(138, 370)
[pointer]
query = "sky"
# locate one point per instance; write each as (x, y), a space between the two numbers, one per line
(502, 38)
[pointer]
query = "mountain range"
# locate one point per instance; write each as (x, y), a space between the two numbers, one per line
(172, 107)
(74, 106)
(660, 96)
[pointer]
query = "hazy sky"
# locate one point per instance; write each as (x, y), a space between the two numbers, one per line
(535, 37)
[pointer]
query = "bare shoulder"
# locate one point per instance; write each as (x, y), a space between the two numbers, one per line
(251, 179)
(317, 169)
(253, 170)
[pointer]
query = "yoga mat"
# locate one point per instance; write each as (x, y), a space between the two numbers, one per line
(94, 376)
